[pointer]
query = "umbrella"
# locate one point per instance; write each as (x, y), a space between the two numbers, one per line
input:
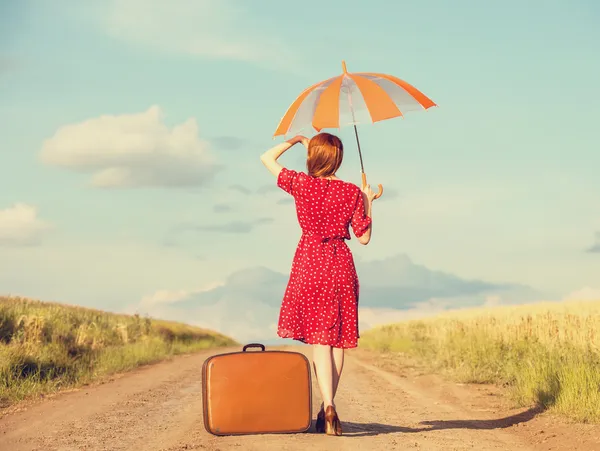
(337, 102)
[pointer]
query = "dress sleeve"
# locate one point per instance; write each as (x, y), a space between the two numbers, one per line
(288, 180)
(360, 221)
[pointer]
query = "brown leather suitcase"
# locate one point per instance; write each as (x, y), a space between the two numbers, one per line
(257, 392)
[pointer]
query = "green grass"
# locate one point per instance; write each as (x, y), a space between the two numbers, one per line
(45, 347)
(546, 354)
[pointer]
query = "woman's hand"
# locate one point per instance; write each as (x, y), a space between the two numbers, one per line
(368, 193)
(299, 139)
(305, 141)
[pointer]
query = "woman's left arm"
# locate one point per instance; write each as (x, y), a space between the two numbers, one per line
(269, 158)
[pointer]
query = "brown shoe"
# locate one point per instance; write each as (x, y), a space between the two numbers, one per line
(320, 425)
(333, 426)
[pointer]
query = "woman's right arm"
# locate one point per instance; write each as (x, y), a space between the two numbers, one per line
(269, 158)
(362, 219)
(366, 237)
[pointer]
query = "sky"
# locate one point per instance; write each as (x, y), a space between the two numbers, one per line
(130, 138)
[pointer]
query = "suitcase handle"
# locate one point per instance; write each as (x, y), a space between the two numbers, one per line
(254, 345)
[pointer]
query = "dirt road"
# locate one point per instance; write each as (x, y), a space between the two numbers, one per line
(159, 407)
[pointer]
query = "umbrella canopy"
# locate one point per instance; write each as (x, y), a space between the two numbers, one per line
(345, 99)
(338, 101)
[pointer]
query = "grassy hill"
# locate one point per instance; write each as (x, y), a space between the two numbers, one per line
(47, 346)
(547, 353)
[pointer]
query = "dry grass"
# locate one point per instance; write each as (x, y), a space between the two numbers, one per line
(547, 354)
(46, 346)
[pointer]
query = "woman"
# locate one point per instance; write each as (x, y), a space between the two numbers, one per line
(320, 304)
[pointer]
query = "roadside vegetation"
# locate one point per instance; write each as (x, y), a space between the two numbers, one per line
(547, 354)
(45, 347)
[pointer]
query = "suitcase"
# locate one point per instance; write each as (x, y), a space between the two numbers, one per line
(257, 392)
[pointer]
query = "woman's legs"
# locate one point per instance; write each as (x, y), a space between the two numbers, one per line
(328, 361)
(323, 364)
(338, 365)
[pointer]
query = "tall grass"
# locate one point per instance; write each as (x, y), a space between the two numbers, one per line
(47, 346)
(547, 354)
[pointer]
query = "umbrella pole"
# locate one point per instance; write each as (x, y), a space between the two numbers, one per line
(362, 167)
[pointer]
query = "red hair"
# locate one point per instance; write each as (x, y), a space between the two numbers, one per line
(325, 155)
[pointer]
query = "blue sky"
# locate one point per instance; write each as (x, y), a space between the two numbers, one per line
(130, 137)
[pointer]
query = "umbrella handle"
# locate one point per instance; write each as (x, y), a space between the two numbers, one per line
(364, 183)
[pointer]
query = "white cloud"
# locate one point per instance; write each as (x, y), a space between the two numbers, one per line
(205, 28)
(132, 150)
(493, 301)
(584, 294)
(165, 297)
(162, 297)
(20, 226)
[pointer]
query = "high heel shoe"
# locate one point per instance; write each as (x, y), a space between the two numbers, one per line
(320, 425)
(333, 426)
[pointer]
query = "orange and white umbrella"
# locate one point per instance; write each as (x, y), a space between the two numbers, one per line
(349, 99)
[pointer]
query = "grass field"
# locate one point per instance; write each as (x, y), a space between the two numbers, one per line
(547, 353)
(47, 346)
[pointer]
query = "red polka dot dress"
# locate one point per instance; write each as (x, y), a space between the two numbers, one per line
(320, 304)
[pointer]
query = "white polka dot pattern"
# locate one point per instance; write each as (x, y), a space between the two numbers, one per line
(320, 304)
